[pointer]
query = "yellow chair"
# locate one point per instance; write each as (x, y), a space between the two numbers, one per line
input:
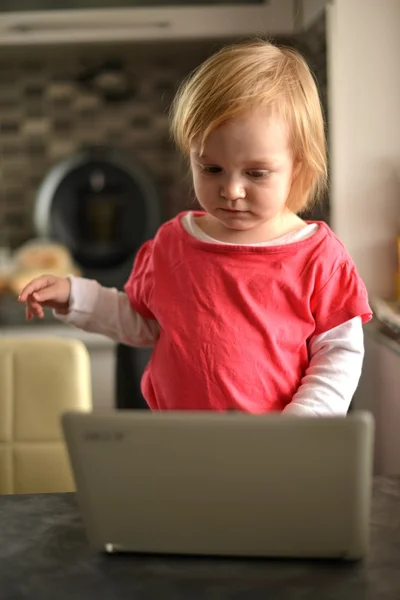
(39, 379)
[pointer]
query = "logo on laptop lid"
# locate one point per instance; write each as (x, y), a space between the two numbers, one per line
(103, 436)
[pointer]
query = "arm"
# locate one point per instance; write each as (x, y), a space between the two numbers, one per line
(107, 311)
(332, 376)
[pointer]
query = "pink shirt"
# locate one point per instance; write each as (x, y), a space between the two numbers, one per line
(235, 320)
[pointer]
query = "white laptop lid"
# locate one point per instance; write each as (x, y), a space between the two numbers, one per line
(223, 483)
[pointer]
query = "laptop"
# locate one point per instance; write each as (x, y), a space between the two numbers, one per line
(223, 484)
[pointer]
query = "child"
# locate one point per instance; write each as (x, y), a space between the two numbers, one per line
(248, 306)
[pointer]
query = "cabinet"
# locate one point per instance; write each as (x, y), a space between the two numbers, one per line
(379, 392)
(66, 24)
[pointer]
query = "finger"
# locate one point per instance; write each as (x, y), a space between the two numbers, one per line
(31, 313)
(49, 304)
(34, 286)
(35, 309)
(45, 294)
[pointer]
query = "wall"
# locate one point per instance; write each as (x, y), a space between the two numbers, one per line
(50, 108)
(364, 108)
(311, 10)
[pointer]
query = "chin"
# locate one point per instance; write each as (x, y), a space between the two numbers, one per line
(239, 226)
(239, 222)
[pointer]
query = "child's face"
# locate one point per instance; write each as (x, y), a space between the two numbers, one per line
(245, 173)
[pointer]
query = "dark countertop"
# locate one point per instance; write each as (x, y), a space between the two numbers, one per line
(44, 555)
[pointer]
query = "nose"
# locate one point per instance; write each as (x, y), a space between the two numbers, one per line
(232, 188)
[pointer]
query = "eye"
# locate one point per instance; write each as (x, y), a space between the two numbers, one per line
(258, 173)
(210, 169)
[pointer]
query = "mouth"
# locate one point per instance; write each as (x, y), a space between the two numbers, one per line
(234, 212)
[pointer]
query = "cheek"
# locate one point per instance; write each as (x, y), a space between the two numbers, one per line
(280, 185)
(195, 180)
(196, 177)
(267, 190)
(202, 184)
(274, 192)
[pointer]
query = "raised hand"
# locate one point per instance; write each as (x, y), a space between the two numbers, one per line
(47, 290)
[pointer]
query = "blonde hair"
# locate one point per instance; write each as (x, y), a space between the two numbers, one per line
(249, 75)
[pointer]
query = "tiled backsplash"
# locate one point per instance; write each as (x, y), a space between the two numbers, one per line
(52, 103)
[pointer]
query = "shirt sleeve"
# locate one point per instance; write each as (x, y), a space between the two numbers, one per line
(332, 376)
(139, 287)
(342, 297)
(108, 312)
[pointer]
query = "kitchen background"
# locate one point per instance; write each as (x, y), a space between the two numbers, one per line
(55, 101)
(58, 99)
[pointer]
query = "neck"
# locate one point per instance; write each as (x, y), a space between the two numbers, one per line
(283, 224)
